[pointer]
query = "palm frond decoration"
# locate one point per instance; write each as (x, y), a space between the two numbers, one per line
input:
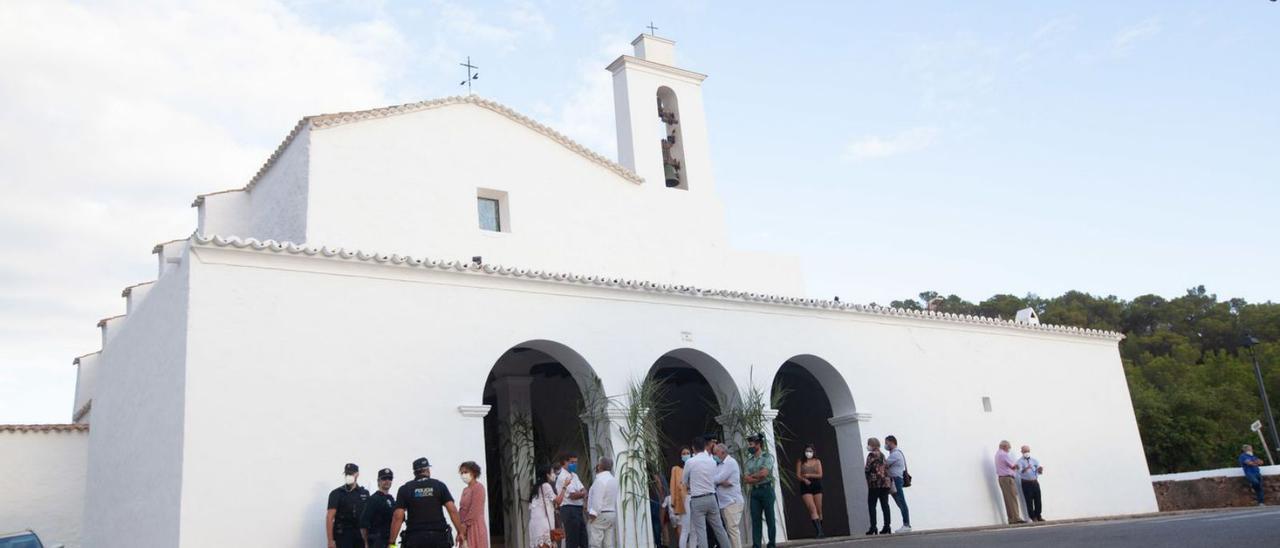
(641, 414)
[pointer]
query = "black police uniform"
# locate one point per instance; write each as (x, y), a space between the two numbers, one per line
(423, 501)
(349, 503)
(377, 518)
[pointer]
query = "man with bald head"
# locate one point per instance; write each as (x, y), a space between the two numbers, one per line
(1006, 472)
(1029, 471)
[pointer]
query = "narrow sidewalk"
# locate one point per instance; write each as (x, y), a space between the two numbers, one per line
(1049, 523)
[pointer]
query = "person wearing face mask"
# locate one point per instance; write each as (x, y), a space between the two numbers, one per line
(1006, 470)
(678, 499)
(602, 506)
(471, 506)
(760, 477)
(346, 503)
(1252, 472)
(1029, 471)
(572, 495)
(897, 463)
(542, 508)
(809, 470)
(729, 492)
(421, 504)
(704, 510)
(878, 486)
(375, 521)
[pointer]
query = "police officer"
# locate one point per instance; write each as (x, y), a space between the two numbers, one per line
(375, 522)
(346, 503)
(425, 500)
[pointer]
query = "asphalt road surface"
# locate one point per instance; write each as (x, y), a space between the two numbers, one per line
(1230, 528)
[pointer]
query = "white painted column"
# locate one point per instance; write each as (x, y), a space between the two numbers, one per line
(771, 442)
(634, 525)
(515, 433)
(852, 461)
(474, 418)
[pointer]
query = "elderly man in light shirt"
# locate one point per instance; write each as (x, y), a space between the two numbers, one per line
(1006, 474)
(700, 475)
(602, 507)
(729, 491)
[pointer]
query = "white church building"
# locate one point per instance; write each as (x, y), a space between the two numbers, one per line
(412, 280)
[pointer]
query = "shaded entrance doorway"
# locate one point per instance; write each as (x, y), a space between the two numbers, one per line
(813, 392)
(536, 390)
(696, 390)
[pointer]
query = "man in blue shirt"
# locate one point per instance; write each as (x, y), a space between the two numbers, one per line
(1252, 472)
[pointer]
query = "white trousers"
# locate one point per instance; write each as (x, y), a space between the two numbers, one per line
(603, 531)
(733, 523)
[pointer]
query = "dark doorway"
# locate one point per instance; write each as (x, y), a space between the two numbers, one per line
(690, 407)
(802, 420)
(540, 387)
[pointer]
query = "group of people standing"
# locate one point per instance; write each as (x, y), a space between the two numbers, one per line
(705, 500)
(1010, 472)
(563, 509)
(356, 519)
(887, 476)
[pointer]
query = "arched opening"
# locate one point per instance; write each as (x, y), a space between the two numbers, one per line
(545, 399)
(817, 408)
(672, 140)
(696, 391)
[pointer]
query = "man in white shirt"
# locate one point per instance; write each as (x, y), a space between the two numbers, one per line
(570, 486)
(602, 506)
(700, 476)
(729, 492)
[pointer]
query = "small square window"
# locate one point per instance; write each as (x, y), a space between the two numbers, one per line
(490, 214)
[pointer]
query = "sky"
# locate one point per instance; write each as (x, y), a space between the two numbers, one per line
(972, 148)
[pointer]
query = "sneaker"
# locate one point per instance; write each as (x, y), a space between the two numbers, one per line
(904, 529)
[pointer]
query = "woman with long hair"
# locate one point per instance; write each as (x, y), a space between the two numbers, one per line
(679, 505)
(542, 509)
(809, 470)
(878, 486)
(471, 506)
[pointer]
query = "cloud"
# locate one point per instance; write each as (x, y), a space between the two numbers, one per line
(1127, 38)
(112, 117)
(874, 147)
(587, 114)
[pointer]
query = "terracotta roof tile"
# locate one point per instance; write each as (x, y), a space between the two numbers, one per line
(44, 428)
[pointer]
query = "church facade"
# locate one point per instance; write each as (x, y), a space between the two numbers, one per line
(417, 280)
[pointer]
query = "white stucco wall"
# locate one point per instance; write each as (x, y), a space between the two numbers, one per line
(135, 445)
(278, 201)
(407, 184)
(292, 373)
(46, 484)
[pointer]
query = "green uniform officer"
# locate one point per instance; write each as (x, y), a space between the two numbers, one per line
(759, 475)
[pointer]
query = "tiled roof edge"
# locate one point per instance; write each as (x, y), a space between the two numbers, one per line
(44, 428)
(289, 248)
(321, 121)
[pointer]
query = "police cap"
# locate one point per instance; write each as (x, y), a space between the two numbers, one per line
(421, 463)
(350, 468)
(385, 474)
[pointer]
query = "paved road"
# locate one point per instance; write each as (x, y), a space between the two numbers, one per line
(1226, 529)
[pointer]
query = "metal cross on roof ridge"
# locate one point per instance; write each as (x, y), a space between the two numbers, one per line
(470, 77)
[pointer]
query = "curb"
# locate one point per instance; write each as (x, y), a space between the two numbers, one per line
(925, 532)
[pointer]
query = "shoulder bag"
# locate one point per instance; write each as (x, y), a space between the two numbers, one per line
(906, 474)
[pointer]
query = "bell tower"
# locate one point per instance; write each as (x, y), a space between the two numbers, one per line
(662, 131)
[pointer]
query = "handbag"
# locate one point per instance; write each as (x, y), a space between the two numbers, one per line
(557, 533)
(906, 474)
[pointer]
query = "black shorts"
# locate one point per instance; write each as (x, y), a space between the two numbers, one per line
(814, 487)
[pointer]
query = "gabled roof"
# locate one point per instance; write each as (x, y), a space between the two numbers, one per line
(322, 121)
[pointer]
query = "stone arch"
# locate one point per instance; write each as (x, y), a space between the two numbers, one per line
(699, 390)
(820, 409)
(539, 392)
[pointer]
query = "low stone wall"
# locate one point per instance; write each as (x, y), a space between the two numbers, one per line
(1212, 489)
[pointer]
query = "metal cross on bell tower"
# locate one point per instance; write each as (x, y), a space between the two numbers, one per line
(651, 28)
(470, 76)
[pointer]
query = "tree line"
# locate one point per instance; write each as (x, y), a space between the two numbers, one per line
(1190, 373)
